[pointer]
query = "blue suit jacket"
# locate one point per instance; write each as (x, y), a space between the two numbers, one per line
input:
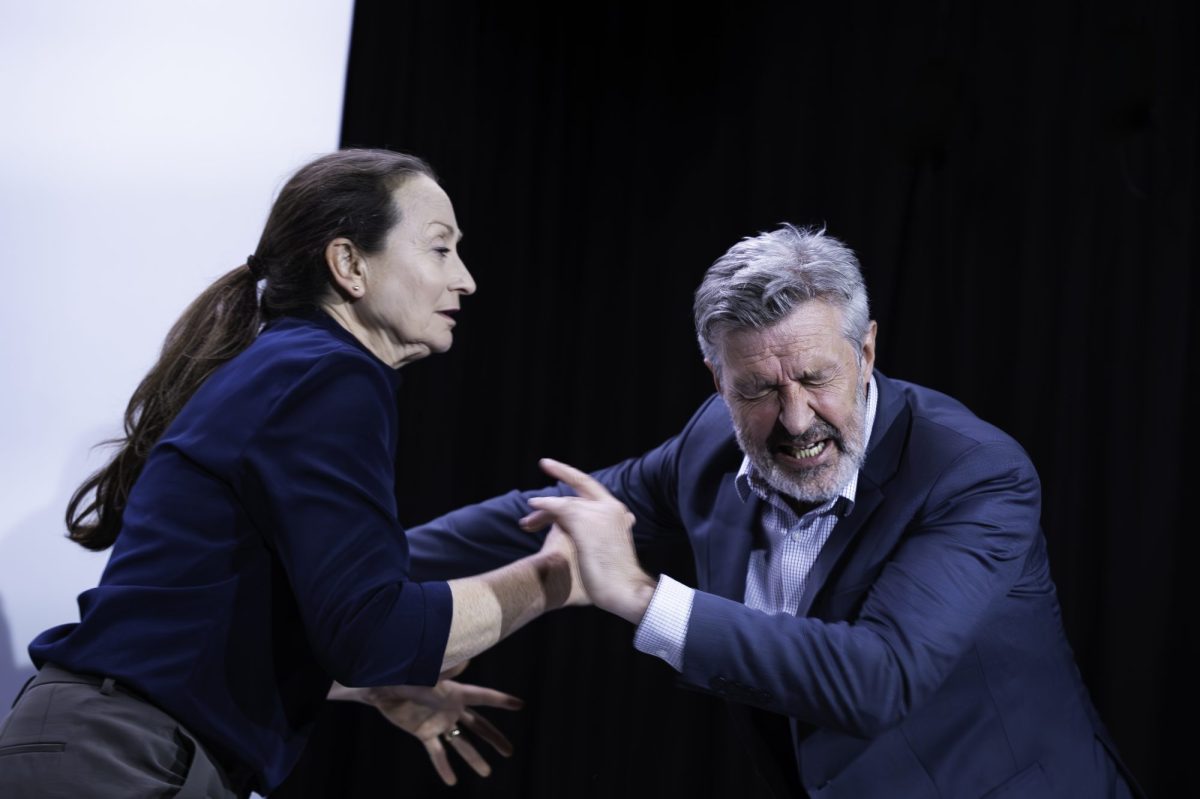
(927, 658)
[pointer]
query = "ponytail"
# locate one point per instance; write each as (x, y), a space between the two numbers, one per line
(346, 193)
(218, 325)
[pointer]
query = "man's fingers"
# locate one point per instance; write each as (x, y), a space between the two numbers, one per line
(559, 508)
(583, 483)
(551, 506)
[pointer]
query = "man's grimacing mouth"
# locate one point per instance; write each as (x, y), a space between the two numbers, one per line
(810, 451)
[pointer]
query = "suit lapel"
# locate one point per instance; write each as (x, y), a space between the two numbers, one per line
(868, 498)
(730, 535)
(883, 458)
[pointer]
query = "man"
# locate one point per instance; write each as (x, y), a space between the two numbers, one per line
(869, 559)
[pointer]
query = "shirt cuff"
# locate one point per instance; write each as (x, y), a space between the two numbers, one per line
(663, 631)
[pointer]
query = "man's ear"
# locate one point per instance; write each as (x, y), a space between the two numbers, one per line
(716, 374)
(868, 352)
(347, 267)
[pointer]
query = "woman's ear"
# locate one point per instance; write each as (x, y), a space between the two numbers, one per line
(347, 267)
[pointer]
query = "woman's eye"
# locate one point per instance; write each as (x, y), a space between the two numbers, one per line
(442, 251)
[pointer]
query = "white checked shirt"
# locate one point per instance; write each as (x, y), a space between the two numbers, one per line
(777, 575)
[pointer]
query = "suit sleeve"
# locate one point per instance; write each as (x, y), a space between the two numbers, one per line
(485, 536)
(474, 539)
(318, 478)
(960, 556)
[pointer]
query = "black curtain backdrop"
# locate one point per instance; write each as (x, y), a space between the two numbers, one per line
(1020, 184)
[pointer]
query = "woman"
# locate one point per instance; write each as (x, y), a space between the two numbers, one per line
(257, 555)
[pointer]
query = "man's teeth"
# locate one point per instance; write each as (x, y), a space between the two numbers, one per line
(808, 452)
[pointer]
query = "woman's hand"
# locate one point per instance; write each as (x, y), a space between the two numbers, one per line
(439, 715)
(560, 544)
(600, 528)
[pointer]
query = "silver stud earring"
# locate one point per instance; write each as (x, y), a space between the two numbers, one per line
(355, 288)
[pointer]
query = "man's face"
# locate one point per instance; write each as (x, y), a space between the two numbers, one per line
(797, 394)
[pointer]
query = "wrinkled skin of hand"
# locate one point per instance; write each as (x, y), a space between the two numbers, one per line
(427, 713)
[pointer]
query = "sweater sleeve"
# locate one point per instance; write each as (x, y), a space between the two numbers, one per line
(318, 481)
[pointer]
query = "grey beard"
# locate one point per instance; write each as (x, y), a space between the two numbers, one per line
(817, 486)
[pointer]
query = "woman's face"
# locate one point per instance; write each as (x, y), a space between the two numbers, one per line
(413, 287)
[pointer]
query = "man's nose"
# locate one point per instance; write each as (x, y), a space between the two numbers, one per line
(795, 414)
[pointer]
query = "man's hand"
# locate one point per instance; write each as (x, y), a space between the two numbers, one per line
(433, 715)
(599, 526)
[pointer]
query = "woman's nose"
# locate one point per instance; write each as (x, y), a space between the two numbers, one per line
(464, 283)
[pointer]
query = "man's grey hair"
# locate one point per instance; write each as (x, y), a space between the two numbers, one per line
(763, 278)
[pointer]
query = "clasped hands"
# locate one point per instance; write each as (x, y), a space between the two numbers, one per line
(600, 528)
(592, 530)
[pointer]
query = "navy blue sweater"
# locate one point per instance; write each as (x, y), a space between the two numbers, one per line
(261, 555)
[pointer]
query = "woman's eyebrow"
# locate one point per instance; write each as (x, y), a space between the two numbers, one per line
(458, 234)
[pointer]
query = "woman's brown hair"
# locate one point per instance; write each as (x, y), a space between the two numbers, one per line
(347, 193)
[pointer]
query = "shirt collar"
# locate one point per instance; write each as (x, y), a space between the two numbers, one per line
(749, 481)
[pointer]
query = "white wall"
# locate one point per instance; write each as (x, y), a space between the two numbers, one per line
(141, 144)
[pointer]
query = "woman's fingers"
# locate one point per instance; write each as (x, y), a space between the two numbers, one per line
(441, 763)
(470, 754)
(488, 732)
(489, 697)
